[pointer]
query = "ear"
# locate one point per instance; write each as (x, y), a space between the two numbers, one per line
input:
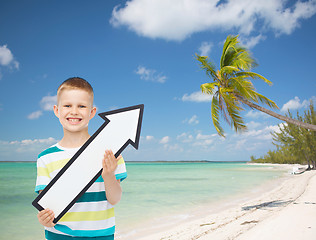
(93, 112)
(56, 111)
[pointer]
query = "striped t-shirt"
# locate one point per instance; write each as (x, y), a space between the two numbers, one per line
(92, 215)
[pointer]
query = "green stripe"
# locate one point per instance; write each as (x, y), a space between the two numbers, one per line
(100, 179)
(92, 197)
(49, 150)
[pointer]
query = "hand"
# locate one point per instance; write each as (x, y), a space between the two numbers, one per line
(46, 217)
(109, 164)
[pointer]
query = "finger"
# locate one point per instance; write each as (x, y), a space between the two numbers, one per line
(45, 216)
(110, 157)
(49, 216)
(106, 156)
(109, 154)
(42, 213)
(103, 161)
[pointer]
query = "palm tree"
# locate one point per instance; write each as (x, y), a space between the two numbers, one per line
(232, 88)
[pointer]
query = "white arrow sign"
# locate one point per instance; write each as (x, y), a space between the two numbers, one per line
(121, 128)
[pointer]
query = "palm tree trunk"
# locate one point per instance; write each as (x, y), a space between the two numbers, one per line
(308, 162)
(276, 115)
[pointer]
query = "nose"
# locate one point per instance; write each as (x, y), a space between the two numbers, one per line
(74, 110)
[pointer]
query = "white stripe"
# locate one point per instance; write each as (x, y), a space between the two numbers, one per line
(96, 187)
(40, 163)
(42, 180)
(56, 231)
(90, 206)
(54, 173)
(120, 169)
(56, 156)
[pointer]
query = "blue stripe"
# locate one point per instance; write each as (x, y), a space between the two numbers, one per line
(100, 179)
(55, 236)
(85, 233)
(121, 176)
(92, 197)
(49, 150)
(39, 188)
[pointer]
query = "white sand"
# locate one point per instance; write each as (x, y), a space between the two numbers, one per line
(288, 211)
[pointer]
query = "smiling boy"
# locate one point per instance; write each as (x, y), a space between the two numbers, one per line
(92, 216)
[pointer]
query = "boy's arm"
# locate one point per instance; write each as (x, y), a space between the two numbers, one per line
(112, 186)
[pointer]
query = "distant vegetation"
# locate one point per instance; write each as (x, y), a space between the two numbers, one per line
(294, 144)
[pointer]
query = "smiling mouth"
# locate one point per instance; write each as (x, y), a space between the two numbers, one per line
(74, 120)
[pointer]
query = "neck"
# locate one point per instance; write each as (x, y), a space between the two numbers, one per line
(74, 140)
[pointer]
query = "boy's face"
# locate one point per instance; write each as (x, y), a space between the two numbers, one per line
(74, 109)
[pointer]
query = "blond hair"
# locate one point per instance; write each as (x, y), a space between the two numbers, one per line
(75, 83)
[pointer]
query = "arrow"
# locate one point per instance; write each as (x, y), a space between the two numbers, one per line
(121, 128)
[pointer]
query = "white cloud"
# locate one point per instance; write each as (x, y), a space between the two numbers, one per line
(251, 41)
(205, 48)
(7, 59)
(150, 75)
(173, 148)
(47, 103)
(185, 137)
(178, 19)
(294, 104)
(165, 140)
(257, 114)
(197, 97)
(253, 125)
(24, 150)
(204, 140)
(263, 133)
(149, 138)
(193, 120)
(200, 136)
(35, 115)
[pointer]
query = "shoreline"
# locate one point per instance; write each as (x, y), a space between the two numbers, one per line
(232, 218)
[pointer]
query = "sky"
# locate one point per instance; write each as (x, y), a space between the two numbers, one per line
(143, 52)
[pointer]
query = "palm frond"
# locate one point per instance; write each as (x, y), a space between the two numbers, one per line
(242, 87)
(236, 55)
(215, 116)
(243, 59)
(222, 105)
(266, 101)
(253, 76)
(237, 121)
(233, 108)
(229, 70)
(230, 42)
(207, 65)
(209, 88)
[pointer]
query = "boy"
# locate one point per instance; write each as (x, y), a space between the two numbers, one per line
(92, 216)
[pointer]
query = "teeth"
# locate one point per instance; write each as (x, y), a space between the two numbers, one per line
(74, 119)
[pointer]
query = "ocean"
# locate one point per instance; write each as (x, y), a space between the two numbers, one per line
(152, 192)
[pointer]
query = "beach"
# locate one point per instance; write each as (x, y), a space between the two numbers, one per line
(285, 211)
(183, 200)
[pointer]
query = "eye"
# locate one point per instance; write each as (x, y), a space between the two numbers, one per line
(67, 106)
(82, 106)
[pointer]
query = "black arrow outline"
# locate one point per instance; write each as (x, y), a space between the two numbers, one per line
(64, 169)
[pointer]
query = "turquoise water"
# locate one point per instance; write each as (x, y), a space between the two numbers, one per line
(151, 190)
